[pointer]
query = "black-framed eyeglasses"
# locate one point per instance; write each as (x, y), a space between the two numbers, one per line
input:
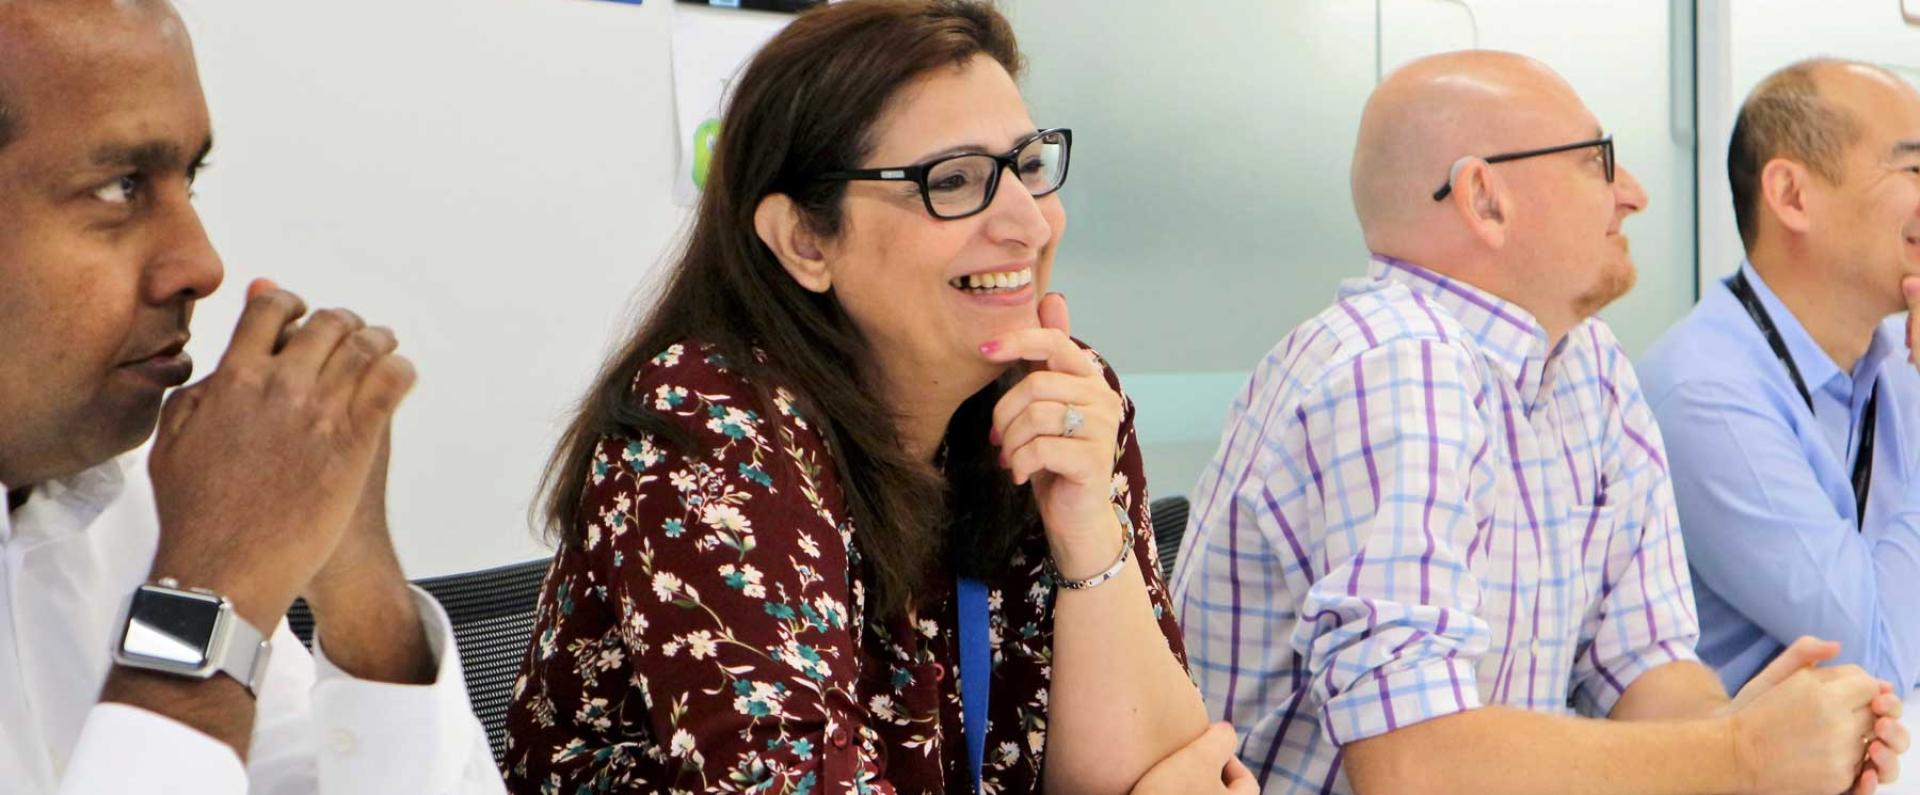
(1605, 143)
(957, 186)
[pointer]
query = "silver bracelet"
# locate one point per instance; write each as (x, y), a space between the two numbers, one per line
(1126, 551)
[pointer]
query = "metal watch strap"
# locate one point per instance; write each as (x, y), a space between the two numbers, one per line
(244, 652)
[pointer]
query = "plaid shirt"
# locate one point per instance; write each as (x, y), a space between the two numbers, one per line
(1418, 509)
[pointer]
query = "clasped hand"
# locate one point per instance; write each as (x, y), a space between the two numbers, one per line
(259, 468)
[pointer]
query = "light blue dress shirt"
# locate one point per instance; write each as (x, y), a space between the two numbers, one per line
(1765, 489)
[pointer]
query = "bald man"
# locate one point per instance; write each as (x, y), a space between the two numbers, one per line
(1437, 551)
(142, 647)
(1793, 422)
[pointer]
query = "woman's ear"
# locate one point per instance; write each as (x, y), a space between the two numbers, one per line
(777, 220)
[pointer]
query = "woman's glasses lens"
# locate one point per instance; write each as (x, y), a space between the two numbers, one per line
(965, 184)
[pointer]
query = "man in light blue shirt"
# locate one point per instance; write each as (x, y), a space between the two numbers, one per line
(1795, 452)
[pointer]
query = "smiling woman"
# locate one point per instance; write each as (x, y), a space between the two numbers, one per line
(852, 459)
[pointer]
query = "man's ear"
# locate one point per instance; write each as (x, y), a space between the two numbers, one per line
(1481, 199)
(1784, 190)
(778, 222)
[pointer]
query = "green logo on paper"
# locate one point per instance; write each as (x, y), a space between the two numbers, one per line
(703, 138)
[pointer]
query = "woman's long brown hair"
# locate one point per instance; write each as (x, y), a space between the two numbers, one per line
(806, 105)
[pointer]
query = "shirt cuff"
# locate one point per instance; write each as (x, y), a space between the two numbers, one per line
(1385, 701)
(126, 749)
(385, 737)
(1596, 694)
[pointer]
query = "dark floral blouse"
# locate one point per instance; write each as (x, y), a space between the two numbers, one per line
(710, 634)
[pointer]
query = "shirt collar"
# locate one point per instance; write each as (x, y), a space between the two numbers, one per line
(1887, 344)
(65, 505)
(1505, 334)
(1816, 367)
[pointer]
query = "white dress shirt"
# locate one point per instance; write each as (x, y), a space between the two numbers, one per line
(70, 557)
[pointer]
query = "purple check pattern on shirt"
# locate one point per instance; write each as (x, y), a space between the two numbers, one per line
(1418, 509)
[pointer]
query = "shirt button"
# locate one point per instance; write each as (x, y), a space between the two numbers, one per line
(939, 672)
(1534, 647)
(838, 738)
(342, 742)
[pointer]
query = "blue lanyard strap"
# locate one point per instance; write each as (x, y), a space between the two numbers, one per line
(976, 669)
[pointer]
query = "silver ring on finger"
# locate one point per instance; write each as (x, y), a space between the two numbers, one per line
(1070, 423)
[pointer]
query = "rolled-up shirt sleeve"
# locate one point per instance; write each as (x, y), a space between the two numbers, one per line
(1388, 627)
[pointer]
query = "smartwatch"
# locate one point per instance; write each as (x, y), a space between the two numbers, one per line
(190, 633)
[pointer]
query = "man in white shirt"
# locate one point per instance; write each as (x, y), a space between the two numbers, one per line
(267, 478)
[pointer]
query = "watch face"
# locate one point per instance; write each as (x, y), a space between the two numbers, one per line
(170, 627)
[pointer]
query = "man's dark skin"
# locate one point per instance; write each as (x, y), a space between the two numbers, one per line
(269, 475)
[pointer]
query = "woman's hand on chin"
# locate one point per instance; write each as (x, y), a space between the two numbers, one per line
(1057, 429)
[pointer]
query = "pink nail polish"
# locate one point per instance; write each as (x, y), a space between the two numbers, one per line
(989, 347)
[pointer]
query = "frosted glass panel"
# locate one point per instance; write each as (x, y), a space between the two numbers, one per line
(1210, 167)
(1208, 208)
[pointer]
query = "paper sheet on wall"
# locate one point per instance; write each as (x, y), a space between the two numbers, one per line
(710, 47)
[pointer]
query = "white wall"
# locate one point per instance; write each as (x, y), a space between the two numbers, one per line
(489, 177)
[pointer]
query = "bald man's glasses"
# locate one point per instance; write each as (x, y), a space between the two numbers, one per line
(1605, 143)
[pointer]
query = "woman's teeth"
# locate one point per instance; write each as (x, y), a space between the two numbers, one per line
(983, 283)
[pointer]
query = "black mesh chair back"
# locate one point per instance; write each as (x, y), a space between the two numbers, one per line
(1169, 524)
(492, 614)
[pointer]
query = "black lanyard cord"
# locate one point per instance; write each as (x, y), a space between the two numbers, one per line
(1863, 461)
